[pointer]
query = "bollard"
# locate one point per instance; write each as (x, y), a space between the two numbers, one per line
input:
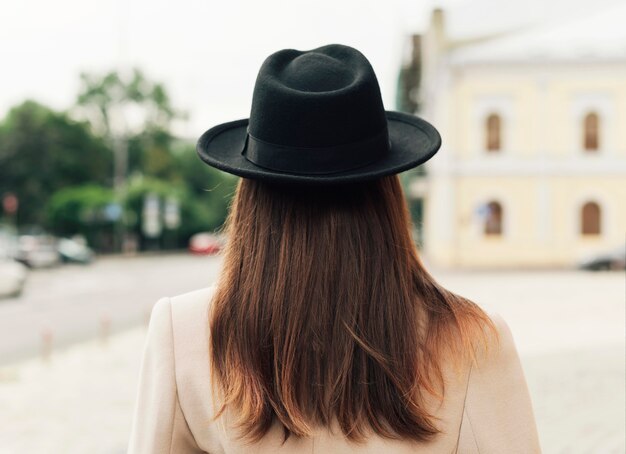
(47, 338)
(105, 328)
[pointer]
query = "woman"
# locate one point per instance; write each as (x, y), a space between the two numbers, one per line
(325, 333)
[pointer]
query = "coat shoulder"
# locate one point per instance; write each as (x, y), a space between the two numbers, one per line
(500, 344)
(498, 414)
(190, 305)
(190, 312)
(194, 298)
(190, 327)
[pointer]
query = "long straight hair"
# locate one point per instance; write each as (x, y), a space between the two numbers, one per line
(323, 311)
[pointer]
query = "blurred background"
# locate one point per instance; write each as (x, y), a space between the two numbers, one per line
(105, 206)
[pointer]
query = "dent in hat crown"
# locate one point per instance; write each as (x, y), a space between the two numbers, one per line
(325, 97)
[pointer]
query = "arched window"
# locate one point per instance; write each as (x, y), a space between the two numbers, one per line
(590, 219)
(591, 131)
(493, 219)
(493, 132)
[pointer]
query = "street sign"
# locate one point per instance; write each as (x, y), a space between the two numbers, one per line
(171, 216)
(151, 216)
(113, 211)
(10, 203)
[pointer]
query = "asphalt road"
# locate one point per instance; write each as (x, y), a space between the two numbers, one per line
(71, 303)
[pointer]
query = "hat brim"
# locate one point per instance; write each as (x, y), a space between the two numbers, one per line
(413, 142)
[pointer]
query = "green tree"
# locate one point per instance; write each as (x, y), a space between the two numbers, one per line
(203, 207)
(133, 114)
(211, 189)
(108, 100)
(155, 161)
(150, 154)
(201, 178)
(83, 210)
(43, 151)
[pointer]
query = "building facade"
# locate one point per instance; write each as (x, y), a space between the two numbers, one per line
(532, 170)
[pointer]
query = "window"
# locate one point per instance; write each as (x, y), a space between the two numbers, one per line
(591, 131)
(590, 219)
(493, 133)
(493, 219)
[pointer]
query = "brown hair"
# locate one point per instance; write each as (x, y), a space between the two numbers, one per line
(324, 310)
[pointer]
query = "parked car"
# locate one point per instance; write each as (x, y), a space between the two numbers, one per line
(37, 250)
(74, 251)
(12, 277)
(206, 243)
(8, 241)
(614, 259)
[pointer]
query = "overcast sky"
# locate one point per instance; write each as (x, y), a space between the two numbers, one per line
(206, 52)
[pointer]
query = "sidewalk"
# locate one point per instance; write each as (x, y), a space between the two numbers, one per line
(79, 402)
(578, 397)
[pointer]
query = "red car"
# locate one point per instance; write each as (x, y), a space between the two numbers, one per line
(206, 243)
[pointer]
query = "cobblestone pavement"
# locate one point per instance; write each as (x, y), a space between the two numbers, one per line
(569, 327)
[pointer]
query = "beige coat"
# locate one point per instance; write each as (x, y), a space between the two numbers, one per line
(487, 411)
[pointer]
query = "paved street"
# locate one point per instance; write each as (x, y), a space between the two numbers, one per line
(76, 302)
(569, 327)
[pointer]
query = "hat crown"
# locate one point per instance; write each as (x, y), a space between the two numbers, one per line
(315, 72)
(324, 97)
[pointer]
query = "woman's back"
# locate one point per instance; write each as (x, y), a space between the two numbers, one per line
(486, 407)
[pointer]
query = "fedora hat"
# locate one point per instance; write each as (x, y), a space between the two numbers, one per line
(317, 117)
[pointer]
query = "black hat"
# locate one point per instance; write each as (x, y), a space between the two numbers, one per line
(318, 117)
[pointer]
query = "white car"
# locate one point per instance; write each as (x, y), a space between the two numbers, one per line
(12, 277)
(37, 251)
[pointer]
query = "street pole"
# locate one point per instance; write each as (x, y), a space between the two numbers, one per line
(120, 155)
(120, 145)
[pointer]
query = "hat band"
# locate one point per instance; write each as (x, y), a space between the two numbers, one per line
(317, 160)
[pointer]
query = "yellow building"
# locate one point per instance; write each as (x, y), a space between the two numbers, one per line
(532, 170)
